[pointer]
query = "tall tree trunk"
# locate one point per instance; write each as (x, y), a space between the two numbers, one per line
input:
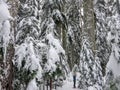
(89, 24)
(50, 83)
(6, 70)
(118, 6)
(10, 55)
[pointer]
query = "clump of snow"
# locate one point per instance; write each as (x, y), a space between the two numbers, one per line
(53, 55)
(4, 13)
(32, 59)
(107, 1)
(82, 11)
(21, 51)
(95, 87)
(4, 26)
(92, 88)
(115, 66)
(32, 85)
(56, 13)
(26, 51)
(6, 36)
(55, 42)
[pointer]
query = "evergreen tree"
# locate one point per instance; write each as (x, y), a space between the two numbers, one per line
(112, 69)
(52, 26)
(102, 47)
(90, 68)
(47, 37)
(27, 59)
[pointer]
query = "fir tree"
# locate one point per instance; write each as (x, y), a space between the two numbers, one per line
(27, 67)
(53, 21)
(90, 68)
(112, 69)
(102, 47)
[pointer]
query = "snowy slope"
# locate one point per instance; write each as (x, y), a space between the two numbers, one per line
(68, 84)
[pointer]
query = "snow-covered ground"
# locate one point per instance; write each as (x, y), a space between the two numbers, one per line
(68, 83)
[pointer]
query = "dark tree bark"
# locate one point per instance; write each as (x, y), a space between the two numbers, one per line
(50, 83)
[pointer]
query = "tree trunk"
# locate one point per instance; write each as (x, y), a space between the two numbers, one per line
(47, 84)
(43, 85)
(6, 77)
(50, 83)
(89, 24)
(10, 71)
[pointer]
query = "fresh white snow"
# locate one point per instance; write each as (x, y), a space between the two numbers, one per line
(114, 35)
(4, 26)
(4, 13)
(68, 83)
(113, 65)
(32, 85)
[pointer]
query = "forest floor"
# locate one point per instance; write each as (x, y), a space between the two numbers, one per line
(68, 84)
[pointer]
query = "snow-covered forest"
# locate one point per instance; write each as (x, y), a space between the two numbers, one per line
(43, 41)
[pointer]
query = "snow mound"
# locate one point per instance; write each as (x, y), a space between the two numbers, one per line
(4, 13)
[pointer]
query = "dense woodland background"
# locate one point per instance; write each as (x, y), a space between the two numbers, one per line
(41, 40)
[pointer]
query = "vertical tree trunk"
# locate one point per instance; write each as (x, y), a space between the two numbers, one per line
(89, 24)
(50, 83)
(10, 71)
(6, 77)
(64, 38)
(118, 6)
(44, 84)
(47, 84)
